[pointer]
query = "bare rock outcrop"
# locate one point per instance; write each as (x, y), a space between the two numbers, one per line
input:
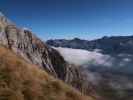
(26, 44)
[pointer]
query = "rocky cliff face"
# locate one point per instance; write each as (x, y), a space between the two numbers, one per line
(33, 50)
(24, 43)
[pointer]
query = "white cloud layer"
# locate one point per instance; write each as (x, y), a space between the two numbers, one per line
(83, 57)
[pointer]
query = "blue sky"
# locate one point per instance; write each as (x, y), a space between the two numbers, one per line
(87, 19)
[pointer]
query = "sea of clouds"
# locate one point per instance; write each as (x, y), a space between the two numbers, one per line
(83, 57)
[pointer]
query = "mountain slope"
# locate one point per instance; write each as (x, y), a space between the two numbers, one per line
(20, 80)
(25, 44)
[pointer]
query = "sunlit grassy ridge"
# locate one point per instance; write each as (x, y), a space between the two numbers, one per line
(22, 81)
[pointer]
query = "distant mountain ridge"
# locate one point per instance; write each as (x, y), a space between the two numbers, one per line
(109, 45)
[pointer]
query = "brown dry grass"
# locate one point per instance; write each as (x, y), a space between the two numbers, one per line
(22, 81)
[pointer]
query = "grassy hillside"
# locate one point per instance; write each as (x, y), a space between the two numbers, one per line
(22, 81)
